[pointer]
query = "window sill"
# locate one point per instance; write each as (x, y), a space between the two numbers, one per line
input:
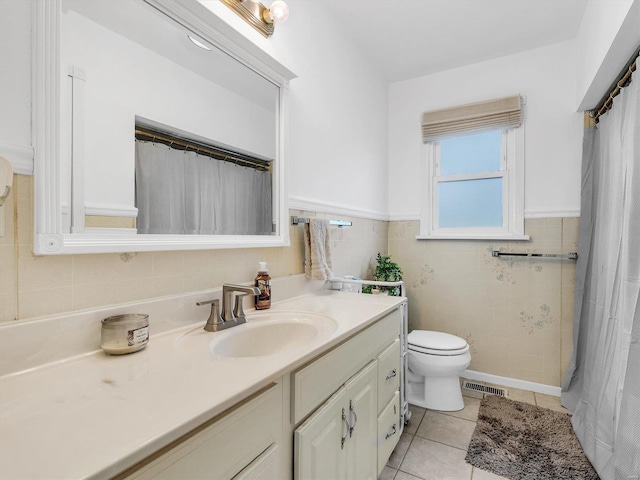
(505, 237)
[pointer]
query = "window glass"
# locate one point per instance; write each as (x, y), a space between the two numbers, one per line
(471, 153)
(470, 203)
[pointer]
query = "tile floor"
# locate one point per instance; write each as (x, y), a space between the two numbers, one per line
(434, 444)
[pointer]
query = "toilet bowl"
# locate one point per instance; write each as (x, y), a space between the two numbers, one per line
(436, 361)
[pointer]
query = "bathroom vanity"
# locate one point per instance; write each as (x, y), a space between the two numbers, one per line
(323, 401)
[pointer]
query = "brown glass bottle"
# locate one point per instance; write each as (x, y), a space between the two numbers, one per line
(263, 282)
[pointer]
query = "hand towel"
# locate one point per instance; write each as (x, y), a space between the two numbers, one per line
(317, 249)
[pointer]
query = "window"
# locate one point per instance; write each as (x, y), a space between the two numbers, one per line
(473, 179)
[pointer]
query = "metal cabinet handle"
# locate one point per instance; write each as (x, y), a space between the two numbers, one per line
(352, 412)
(392, 374)
(344, 435)
(394, 429)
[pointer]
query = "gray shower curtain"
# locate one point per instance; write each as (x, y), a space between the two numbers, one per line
(602, 384)
(183, 192)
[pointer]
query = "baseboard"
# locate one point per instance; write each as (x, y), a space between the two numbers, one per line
(512, 382)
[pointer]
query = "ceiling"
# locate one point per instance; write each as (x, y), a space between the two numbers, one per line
(411, 38)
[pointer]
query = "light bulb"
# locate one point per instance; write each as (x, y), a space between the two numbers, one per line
(279, 12)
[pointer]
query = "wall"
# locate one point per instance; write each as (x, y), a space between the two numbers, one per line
(608, 35)
(32, 286)
(338, 107)
(336, 157)
(553, 129)
(15, 84)
(516, 314)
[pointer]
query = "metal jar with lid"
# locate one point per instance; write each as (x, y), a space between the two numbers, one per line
(125, 333)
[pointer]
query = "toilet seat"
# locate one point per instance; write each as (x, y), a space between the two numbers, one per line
(436, 343)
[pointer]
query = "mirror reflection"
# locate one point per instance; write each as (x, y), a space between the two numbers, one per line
(162, 132)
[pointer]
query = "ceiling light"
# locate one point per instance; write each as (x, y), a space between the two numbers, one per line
(258, 16)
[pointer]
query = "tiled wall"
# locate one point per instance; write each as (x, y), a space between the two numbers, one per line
(32, 286)
(515, 313)
(354, 248)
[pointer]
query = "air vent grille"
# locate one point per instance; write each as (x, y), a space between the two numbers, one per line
(485, 388)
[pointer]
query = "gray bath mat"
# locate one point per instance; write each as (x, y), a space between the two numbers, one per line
(521, 441)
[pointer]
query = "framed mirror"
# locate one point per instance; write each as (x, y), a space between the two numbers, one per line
(156, 128)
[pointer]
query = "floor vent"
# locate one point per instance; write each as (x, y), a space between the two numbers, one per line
(485, 389)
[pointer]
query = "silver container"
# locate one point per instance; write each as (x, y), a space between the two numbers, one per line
(125, 333)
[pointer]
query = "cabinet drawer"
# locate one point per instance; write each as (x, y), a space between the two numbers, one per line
(314, 383)
(388, 373)
(265, 467)
(222, 448)
(388, 430)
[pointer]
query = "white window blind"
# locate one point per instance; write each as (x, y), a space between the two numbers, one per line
(500, 113)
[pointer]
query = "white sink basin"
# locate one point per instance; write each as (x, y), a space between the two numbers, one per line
(272, 333)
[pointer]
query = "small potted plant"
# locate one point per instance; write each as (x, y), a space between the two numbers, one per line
(386, 271)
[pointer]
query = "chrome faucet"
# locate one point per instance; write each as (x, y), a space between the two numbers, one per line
(230, 317)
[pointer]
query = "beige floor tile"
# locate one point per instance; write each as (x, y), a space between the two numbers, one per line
(479, 474)
(399, 452)
(433, 461)
(472, 393)
(453, 431)
(405, 476)
(414, 422)
(550, 402)
(470, 410)
(388, 473)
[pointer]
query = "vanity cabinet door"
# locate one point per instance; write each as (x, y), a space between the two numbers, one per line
(362, 447)
(339, 440)
(320, 442)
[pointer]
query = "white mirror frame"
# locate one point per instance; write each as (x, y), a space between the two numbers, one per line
(49, 239)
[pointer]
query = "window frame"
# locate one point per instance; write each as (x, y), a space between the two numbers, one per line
(512, 151)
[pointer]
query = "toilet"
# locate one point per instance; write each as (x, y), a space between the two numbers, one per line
(436, 361)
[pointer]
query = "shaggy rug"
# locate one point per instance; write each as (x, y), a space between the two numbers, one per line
(521, 441)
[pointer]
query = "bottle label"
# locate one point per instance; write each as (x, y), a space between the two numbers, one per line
(263, 300)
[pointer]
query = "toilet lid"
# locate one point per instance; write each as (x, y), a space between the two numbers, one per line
(438, 341)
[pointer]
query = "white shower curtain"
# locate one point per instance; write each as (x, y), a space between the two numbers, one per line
(182, 192)
(602, 383)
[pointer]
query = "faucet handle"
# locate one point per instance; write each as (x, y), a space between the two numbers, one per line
(214, 317)
(238, 308)
(207, 302)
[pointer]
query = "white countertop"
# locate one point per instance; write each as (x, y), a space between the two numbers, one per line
(93, 416)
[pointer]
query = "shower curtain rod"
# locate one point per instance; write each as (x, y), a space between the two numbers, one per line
(622, 80)
(210, 151)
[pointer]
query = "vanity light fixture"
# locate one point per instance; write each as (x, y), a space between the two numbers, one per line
(258, 16)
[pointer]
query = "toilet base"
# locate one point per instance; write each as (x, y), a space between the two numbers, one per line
(438, 393)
